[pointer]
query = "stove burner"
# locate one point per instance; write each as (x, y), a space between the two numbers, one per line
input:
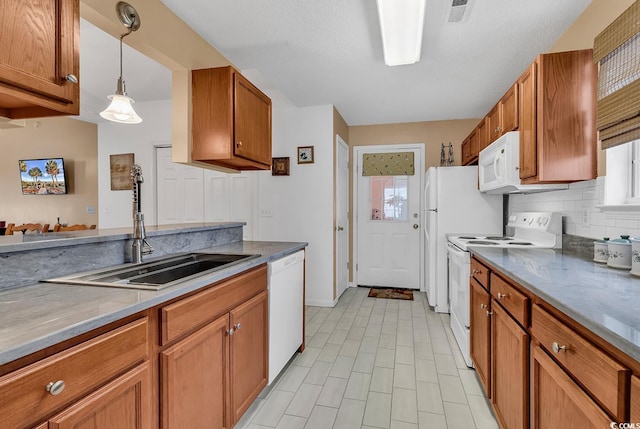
(521, 243)
(463, 237)
(483, 242)
(501, 238)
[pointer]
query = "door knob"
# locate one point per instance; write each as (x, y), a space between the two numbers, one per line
(416, 226)
(340, 228)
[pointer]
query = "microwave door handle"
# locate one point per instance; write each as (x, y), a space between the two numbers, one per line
(498, 167)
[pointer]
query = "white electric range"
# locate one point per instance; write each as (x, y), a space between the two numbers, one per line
(529, 230)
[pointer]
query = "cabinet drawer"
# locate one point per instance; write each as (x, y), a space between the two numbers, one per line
(603, 377)
(23, 395)
(190, 313)
(480, 273)
(511, 299)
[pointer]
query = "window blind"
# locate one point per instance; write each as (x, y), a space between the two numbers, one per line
(617, 52)
(388, 164)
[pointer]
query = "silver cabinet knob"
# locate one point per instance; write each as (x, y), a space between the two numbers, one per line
(71, 78)
(557, 348)
(502, 295)
(55, 387)
(489, 313)
(239, 144)
(236, 327)
(483, 306)
(340, 228)
(231, 331)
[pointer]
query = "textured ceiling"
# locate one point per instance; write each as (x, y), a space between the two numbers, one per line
(329, 52)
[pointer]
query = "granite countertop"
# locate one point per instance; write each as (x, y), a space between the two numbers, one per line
(602, 299)
(38, 316)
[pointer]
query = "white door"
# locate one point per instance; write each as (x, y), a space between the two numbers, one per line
(179, 189)
(342, 216)
(389, 234)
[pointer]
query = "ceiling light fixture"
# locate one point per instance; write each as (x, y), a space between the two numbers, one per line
(401, 23)
(121, 109)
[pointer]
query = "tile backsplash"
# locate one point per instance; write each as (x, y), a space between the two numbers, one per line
(580, 216)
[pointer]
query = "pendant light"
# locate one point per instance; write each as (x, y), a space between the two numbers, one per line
(121, 110)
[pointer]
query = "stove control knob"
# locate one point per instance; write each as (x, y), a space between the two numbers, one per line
(530, 220)
(545, 220)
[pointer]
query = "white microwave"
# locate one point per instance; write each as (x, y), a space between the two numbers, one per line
(499, 168)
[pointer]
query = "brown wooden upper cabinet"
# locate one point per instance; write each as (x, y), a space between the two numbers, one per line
(231, 120)
(557, 118)
(503, 117)
(39, 59)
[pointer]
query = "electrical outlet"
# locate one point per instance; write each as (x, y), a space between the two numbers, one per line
(91, 210)
(266, 212)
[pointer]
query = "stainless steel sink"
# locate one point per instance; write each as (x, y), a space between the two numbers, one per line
(155, 275)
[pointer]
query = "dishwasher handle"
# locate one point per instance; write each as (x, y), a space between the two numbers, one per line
(284, 263)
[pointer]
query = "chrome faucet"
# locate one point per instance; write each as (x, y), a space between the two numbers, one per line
(140, 244)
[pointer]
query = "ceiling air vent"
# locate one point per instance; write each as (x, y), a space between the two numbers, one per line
(457, 10)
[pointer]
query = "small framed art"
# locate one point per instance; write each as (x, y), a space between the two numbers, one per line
(280, 166)
(305, 154)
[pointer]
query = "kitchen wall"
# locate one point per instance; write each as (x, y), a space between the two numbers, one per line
(433, 134)
(577, 204)
(141, 139)
(73, 140)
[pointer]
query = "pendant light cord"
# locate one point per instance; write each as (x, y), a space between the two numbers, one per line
(122, 37)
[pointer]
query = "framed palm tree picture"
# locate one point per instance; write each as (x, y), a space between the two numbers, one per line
(43, 176)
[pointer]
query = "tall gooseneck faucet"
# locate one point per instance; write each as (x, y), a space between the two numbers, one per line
(140, 244)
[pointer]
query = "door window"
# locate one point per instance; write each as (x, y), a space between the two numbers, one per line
(388, 198)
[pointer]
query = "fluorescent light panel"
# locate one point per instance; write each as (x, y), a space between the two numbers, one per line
(401, 23)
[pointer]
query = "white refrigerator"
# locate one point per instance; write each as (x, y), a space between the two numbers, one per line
(453, 204)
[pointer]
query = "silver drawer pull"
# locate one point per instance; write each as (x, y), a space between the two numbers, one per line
(502, 295)
(557, 348)
(236, 327)
(483, 306)
(489, 313)
(55, 387)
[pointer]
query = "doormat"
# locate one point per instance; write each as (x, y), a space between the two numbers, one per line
(390, 293)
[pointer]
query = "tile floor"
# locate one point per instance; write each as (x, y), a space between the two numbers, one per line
(374, 363)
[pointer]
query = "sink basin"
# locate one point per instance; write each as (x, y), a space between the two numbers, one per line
(155, 275)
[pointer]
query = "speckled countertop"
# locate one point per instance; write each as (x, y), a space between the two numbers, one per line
(37, 316)
(602, 299)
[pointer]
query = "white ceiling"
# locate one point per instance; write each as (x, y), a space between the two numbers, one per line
(329, 52)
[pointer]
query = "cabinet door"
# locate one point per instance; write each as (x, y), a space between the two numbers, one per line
(493, 119)
(557, 399)
(40, 46)
(635, 399)
(474, 143)
(252, 122)
(509, 110)
(483, 134)
(125, 403)
(480, 333)
(195, 379)
(528, 120)
(466, 152)
(249, 353)
(509, 369)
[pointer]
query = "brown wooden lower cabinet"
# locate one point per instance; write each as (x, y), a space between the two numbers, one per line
(635, 399)
(195, 377)
(125, 403)
(480, 340)
(557, 400)
(509, 369)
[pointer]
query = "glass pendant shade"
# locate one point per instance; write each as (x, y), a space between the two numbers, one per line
(121, 110)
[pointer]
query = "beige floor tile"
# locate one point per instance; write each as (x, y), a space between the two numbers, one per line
(445, 365)
(374, 329)
(291, 422)
(404, 339)
(369, 344)
(350, 348)
(358, 386)
(361, 321)
(426, 371)
(328, 326)
(308, 357)
(273, 409)
(429, 398)
(337, 336)
(329, 353)
(321, 418)
(382, 380)
(292, 378)
(319, 340)
(402, 425)
(404, 376)
(304, 400)
(378, 410)
(318, 373)
(404, 405)
(405, 354)
(440, 345)
(350, 414)
(364, 362)
(356, 333)
(458, 416)
(385, 358)
(405, 325)
(481, 412)
(332, 392)
(432, 421)
(388, 340)
(342, 367)
(470, 382)
(452, 390)
(423, 351)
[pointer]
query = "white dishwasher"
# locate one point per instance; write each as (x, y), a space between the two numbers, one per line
(286, 304)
